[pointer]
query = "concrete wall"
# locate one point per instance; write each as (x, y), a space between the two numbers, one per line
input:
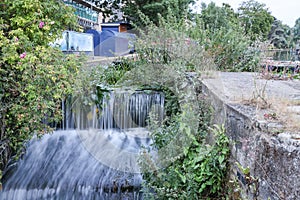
(272, 155)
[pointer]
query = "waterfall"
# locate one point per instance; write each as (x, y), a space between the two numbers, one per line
(121, 109)
(93, 156)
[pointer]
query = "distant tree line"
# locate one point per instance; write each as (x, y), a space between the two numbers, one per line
(255, 18)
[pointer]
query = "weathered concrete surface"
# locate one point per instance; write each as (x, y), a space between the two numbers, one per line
(101, 60)
(270, 148)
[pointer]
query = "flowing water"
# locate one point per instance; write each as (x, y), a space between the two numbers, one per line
(94, 157)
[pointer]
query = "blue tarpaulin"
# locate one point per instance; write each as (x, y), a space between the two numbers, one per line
(96, 38)
(111, 43)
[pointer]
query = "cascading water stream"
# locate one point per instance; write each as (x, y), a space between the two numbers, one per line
(95, 157)
(121, 109)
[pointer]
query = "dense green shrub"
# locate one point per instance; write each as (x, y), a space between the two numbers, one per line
(198, 172)
(35, 76)
(185, 166)
(221, 33)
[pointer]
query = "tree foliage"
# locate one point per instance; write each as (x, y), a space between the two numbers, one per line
(153, 9)
(215, 17)
(296, 31)
(225, 40)
(280, 35)
(34, 76)
(256, 19)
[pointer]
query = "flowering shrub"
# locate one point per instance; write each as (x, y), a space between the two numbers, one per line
(42, 24)
(34, 76)
(23, 55)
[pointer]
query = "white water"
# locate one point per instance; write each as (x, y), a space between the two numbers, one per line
(98, 160)
(120, 109)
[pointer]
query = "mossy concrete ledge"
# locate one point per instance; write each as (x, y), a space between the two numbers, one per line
(264, 140)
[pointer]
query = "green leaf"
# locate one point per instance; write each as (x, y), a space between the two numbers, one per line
(221, 159)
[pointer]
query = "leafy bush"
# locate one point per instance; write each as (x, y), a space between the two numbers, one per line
(199, 172)
(184, 167)
(35, 77)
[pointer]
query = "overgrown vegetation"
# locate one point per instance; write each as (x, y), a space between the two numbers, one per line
(185, 166)
(151, 8)
(35, 77)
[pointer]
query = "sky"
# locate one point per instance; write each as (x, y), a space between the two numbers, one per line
(287, 11)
